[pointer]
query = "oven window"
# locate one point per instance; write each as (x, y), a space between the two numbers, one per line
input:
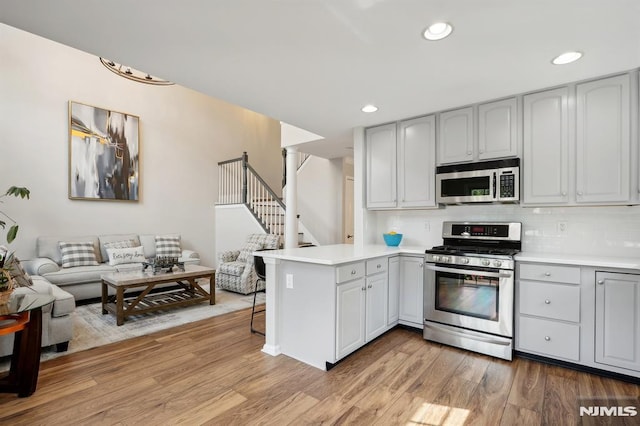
(464, 187)
(470, 295)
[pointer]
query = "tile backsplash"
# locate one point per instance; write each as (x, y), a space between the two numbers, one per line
(606, 231)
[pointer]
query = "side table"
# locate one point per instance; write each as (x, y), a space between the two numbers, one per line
(22, 315)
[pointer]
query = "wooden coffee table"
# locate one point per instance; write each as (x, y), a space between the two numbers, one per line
(188, 292)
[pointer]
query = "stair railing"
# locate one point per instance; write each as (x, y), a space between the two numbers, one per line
(239, 183)
(302, 157)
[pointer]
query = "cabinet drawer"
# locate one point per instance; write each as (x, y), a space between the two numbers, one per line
(349, 272)
(555, 301)
(551, 338)
(375, 266)
(551, 273)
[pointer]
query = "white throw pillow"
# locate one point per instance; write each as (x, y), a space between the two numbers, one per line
(118, 256)
(121, 244)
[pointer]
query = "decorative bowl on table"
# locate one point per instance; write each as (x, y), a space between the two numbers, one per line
(392, 240)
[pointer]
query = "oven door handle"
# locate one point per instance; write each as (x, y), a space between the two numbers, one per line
(470, 272)
(475, 336)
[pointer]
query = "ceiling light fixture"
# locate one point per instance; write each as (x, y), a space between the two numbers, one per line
(369, 108)
(437, 31)
(133, 74)
(566, 58)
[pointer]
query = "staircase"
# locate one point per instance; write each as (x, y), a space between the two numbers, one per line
(239, 183)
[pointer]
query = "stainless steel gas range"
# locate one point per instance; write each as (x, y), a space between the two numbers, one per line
(469, 287)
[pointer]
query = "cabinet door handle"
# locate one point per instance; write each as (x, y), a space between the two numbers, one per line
(369, 286)
(564, 193)
(419, 265)
(580, 193)
(600, 282)
(468, 152)
(547, 302)
(353, 272)
(547, 338)
(378, 266)
(363, 288)
(547, 274)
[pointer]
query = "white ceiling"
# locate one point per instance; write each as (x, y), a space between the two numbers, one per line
(314, 63)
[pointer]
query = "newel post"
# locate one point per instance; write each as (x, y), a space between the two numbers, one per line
(245, 160)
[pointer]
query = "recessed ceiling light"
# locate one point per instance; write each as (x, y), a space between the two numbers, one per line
(437, 31)
(566, 58)
(369, 108)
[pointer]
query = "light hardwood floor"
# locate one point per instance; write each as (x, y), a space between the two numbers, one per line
(212, 372)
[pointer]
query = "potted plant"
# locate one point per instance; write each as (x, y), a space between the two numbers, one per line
(6, 258)
(6, 283)
(15, 191)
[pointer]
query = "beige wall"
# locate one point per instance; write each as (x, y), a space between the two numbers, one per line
(184, 134)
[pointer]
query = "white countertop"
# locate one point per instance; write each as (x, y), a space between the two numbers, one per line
(580, 260)
(337, 254)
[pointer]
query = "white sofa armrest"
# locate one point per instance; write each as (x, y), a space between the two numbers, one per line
(40, 266)
(190, 254)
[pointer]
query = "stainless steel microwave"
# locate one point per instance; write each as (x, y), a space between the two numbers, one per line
(496, 181)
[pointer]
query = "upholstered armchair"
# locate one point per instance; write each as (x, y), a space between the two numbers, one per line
(236, 271)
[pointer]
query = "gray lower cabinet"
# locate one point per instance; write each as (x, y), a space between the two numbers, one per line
(350, 324)
(361, 304)
(618, 320)
(548, 310)
(579, 314)
(394, 291)
(411, 290)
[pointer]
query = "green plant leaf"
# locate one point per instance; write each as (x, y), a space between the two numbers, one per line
(11, 235)
(19, 191)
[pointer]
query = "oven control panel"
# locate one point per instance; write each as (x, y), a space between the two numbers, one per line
(502, 231)
(466, 230)
(470, 261)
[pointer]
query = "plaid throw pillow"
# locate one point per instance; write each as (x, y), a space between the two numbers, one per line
(168, 246)
(77, 254)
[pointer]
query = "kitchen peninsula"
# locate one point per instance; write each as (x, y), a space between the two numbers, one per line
(325, 302)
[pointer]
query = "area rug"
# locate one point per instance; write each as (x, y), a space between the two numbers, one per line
(91, 328)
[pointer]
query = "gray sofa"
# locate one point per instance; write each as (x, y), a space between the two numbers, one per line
(57, 325)
(83, 282)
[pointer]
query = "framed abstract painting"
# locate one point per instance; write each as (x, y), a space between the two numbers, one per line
(104, 154)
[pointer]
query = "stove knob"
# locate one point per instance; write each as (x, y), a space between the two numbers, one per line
(464, 260)
(436, 258)
(497, 263)
(485, 262)
(446, 259)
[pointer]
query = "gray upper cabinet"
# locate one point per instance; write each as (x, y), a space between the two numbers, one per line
(546, 147)
(416, 162)
(497, 132)
(498, 129)
(400, 164)
(455, 136)
(591, 166)
(603, 142)
(381, 166)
